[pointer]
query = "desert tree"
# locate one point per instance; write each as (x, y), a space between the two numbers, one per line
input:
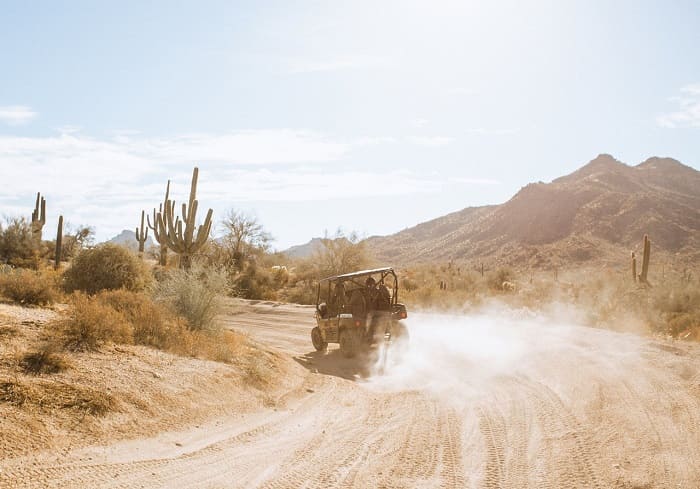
(340, 253)
(244, 235)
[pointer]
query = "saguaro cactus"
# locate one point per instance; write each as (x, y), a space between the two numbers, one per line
(645, 260)
(142, 234)
(188, 239)
(59, 243)
(160, 237)
(634, 267)
(38, 217)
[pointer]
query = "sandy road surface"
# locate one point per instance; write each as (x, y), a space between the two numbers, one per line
(500, 399)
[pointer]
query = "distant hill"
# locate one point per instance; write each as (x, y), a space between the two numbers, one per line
(127, 238)
(307, 250)
(598, 213)
(304, 250)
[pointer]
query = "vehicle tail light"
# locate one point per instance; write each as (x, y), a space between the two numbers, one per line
(403, 315)
(357, 323)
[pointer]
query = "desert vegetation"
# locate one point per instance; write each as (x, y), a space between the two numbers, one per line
(105, 301)
(108, 298)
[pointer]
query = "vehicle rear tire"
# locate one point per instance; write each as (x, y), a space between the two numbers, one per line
(349, 343)
(317, 340)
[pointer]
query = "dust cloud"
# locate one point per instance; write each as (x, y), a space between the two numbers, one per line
(459, 356)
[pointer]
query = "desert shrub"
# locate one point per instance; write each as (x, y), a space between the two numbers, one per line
(219, 346)
(194, 294)
(258, 370)
(29, 286)
(496, 278)
(301, 293)
(44, 359)
(17, 245)
(106, 267)
(679, 307)
(409, 285)
(152, 324)
(91, 323)
(257, 283)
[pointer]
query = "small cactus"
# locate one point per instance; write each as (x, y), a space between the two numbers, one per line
(38, 217)
(142, 234)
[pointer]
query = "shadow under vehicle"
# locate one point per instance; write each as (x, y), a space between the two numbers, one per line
(359, 310)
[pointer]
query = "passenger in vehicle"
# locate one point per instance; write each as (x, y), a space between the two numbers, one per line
(339, 298)
(371, 289)
(383, 300)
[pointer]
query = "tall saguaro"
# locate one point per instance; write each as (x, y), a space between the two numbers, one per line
(645, 260)
(160, 237)
(187, 239)
(38, 217)
(59, 243)
(142, 234)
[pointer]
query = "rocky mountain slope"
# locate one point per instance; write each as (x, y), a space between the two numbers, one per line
(596, 214)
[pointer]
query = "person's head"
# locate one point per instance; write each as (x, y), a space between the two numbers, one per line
(370, 282)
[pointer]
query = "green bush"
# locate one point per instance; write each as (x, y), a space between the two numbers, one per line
(28, 287)
(17, 245)
(106, 267)
(194, 294)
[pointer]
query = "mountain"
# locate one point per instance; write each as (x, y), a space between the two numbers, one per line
(598, 213)
(127, 238)
(304, 250)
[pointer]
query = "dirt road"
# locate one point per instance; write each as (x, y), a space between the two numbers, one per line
(499, 399)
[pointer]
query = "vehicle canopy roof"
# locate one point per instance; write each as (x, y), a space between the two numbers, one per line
(345, 276)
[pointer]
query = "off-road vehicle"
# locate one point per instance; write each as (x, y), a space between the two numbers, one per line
(358, 310)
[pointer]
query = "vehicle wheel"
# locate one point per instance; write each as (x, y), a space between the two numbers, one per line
(317, 340)
(349, 343)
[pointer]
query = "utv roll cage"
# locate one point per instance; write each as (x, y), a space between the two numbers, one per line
(357, 279)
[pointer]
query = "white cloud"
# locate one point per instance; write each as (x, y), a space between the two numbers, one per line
(349, 62)
(418, 122)
(481, 131)
(688, 113)
(106, 182)
(431, 141)
(475, 181)
(16, 115)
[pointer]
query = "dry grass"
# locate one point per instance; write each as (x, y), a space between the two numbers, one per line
(219, 346)
(44, 359)
(152, 324)
(91, 323)
(29, 287)
(124, 317)
(48, 395)
(258, 369)
(606, 297)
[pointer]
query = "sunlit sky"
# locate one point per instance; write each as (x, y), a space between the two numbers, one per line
(313, 115)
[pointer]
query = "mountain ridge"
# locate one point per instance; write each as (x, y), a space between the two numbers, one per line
(598, 212)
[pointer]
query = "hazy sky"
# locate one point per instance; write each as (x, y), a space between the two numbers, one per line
(372, 116)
